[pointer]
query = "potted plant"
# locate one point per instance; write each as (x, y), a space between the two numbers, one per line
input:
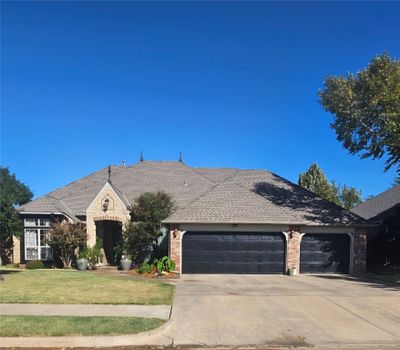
(95, 256)
(82, 261)
(125, 263)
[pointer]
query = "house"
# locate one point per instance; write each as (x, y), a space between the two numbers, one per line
(227, 220)
(383, 211)
(381, 207)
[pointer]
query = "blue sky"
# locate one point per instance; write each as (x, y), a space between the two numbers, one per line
(230, 84)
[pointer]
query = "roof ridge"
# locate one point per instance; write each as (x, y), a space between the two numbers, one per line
(206, 177)
(56, 201)
(118, 191)
(316, 196)
(379, 195)
(275, 205)
(206, 192)
(80, 179)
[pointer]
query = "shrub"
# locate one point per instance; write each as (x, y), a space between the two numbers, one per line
(64, 238)
(83, 253)
(146, 268)
(147, 213)
(34, 264)
(165, 264)
(94, 255)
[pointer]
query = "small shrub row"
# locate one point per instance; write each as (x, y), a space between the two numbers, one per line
(34, 264)
(165, 264)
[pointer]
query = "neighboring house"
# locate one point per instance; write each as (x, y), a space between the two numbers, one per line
(379, 208)
(383, 211)
(227, 220)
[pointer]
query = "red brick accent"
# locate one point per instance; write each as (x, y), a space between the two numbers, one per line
(360, 252)
(293, 248)
(107, 218)
(174, 247)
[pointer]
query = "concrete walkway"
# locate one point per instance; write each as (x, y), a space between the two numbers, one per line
(150, 311)
(273, 311)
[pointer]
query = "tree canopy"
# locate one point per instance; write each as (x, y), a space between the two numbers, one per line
(12, 193)
(147, 213)
(314, 180)
(366, 109)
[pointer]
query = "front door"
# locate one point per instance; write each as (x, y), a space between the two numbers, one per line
(109, 234)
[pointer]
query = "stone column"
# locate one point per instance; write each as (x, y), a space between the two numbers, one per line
(174, 246)
(360, 251)
(293, 248)
(16, 256)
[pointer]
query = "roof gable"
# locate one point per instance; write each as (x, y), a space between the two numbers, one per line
(377, 206)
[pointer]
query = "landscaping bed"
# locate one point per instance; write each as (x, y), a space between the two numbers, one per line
(25, 326)
(80, 287)
(154, 275)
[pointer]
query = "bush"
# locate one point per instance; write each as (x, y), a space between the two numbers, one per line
(94, 255)
(146, 268)
(165, 264)
(64, 237)
(34, 264)
(142, 233)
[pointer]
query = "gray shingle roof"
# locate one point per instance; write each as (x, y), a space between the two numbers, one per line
(214, 195)
(377, 206)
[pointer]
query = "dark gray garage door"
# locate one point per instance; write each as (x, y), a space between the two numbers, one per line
(325, 253)
(227, 252)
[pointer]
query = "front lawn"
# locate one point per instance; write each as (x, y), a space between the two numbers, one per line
(23, 326)
(80, 287)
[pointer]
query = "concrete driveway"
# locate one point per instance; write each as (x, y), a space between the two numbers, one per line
(305, 310)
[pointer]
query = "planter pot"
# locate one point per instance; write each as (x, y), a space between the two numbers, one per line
(82, 264)
(292, 271)
(126, 264)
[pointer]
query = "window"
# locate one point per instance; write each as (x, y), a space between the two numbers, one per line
(37, 223)
(35, 246)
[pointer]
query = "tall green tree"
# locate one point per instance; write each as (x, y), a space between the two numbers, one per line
(147, 213)
(314, 180)
(366, 109)
(12, 193)
(346, 196)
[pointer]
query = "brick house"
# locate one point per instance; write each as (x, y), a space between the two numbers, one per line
(383, 212)
(227, 220)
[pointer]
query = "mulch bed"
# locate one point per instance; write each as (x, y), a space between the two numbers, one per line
(154, 275)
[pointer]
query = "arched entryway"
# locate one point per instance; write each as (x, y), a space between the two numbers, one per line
(109, 235)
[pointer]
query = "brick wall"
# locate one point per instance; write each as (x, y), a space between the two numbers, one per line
(293, 248)
(174, 246)
(360, 252)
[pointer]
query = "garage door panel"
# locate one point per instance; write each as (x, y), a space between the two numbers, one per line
(225, 252)
(325, 253)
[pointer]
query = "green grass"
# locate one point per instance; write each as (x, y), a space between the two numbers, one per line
(23, 326)
(80, 287)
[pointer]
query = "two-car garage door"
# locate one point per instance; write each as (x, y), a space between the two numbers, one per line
(227, 252)
(262, 253)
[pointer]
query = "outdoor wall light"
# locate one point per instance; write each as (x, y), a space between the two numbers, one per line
(106, 204)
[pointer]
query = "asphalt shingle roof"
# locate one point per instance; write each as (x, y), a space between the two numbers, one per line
(207, 195)
(374, 207)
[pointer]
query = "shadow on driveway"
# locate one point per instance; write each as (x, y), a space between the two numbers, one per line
(368, 281)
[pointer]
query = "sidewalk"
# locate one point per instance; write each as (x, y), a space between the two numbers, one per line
(149, 311)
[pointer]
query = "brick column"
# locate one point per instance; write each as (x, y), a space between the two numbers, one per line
(174, 246)
(360, 251)
(293, 248)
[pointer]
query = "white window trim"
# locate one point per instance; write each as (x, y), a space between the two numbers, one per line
(37, 222)
(38, 245)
